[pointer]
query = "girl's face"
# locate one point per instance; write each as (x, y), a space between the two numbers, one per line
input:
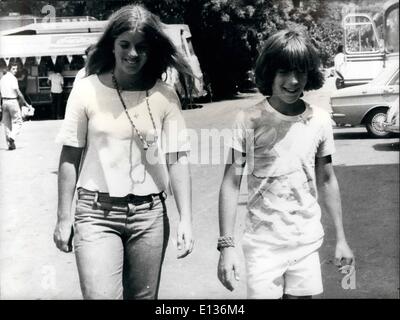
(288, 86)
(130, 52)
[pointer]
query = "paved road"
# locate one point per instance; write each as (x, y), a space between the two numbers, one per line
(32, 268)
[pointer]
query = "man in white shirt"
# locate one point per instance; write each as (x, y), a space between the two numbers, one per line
(339, 62)
(56, 80)
(10, 93)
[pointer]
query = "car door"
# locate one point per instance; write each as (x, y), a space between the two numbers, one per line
(363, 49)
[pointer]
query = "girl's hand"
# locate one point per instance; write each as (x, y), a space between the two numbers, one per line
(62, 235)
(185, 241)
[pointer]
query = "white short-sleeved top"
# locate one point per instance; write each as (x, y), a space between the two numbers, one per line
(114, 159)
(57, 82)
(8, 86)
(338, 61)
(280, 157)
(80, 75)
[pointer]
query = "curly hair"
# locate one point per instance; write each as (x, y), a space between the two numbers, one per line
(288, 50)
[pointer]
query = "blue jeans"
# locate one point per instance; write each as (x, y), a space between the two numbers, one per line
(120, 247)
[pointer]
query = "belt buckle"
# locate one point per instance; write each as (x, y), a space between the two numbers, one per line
(96, 199)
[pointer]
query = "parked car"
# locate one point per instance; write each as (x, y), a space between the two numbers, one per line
(392, 118)
(367, 104)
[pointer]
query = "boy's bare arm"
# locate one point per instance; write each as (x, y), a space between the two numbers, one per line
(228, 266)
(329, 198)
(229, 192)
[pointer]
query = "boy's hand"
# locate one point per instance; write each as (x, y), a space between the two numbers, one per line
(184, 238)
(228, 268)
(343, 254)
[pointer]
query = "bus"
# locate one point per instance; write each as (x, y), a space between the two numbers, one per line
(39, 46)
(369, 45)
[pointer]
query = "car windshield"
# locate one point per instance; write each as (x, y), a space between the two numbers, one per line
(385, 76)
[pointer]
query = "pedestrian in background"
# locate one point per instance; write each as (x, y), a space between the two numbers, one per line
(124, 142)
(287, 146)
(11, 110)
(56, 82)
(339, 62)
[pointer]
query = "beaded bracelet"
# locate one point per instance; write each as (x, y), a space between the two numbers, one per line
(225, 242)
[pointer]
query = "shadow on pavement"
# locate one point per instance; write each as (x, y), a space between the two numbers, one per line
(350, 135)
(390, 146)
(370, 201)
(192, 106)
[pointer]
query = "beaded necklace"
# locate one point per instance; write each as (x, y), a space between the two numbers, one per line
(145, 143)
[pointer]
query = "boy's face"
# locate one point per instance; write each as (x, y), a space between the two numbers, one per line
(288, 86)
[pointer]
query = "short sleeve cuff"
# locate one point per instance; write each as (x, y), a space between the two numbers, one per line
(324, 154)
(70, 139)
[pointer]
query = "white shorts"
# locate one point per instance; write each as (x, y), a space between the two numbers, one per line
(272, 271)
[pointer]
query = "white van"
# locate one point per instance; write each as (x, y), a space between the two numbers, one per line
(182, 38)
(369, 49)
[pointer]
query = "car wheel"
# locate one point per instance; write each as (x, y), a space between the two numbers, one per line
(374, 123)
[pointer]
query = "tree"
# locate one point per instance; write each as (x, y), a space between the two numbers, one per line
(228, 34)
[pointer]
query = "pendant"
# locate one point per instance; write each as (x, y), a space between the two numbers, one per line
(151, 138)
(152, 154)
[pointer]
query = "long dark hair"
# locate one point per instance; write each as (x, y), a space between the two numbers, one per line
(162, 52)
(288, 50)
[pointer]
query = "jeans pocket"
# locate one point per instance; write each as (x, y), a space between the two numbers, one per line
(83, 206)
(148, 220)
(157, 204)
(88, 208)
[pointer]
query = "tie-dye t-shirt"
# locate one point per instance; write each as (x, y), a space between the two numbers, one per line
(280, 160)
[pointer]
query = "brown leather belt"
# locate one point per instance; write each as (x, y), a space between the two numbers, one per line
(9, 98)
(136, 200)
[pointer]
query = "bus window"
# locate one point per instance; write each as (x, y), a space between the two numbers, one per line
(392, 31)
(190, 46)
(360, 35)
